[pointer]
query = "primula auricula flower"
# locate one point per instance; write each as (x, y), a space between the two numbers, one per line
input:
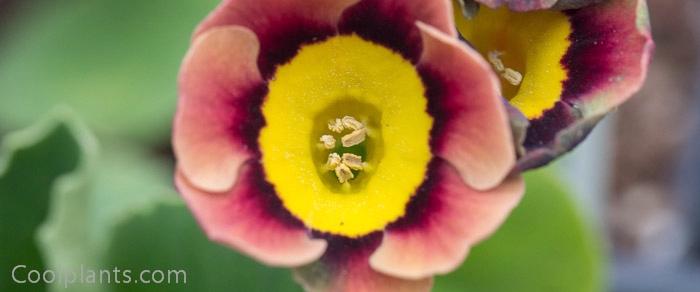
(359, 141)
(562, 71)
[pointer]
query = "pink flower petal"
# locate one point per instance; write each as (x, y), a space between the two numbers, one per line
(345, 268)
(218, 115)
(251, 219)
(611, 47)
(471, 129)
(281, 25)
(391, 22)
(446, 218)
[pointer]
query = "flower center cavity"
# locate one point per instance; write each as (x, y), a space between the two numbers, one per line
(341, 160)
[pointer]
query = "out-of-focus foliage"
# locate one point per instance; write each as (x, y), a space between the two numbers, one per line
(114, 62)
(168, 237)
(34, 163)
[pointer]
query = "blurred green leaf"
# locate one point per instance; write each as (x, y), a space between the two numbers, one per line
(121, 183)
(35, 162)
(124, 213)
(544, 246)
(115, 62)
(167, 237)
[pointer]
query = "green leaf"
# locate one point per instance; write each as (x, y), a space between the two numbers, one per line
(35, 162)
(544, 246)
(114, 62)
(129, 217)
(120, 183)
(168, 238)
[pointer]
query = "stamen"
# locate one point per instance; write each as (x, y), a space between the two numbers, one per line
(343, 173)
(513, 77)
(333, 161)
(354, 138)
(495, 59)
(353, 161)
(336, 126)
(345, 165)
(352, 123)
(328, 141)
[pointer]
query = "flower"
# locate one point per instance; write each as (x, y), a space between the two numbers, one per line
(561, 71)
(358, 141)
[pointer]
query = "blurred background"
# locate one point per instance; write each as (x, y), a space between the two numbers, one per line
(88, 182)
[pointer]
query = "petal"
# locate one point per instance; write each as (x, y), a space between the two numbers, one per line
(391, 22)
(566, 138)
(527, 5)
(218, 118)
(443, 221)
(345, 268)
(471, 129)
(545, 129)
(611, 47)
(518, 125)
(281, 25)
(251, 219)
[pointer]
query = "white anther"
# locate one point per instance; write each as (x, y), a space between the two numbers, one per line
(495, 59)
(513, 77)
(336, 125)
(354, 138)
(353, 161)
(333, 161)
(328, 141)
(352, 123)
(343, 173)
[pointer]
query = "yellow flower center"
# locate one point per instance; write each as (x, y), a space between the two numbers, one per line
(525, 49)
(346, 141)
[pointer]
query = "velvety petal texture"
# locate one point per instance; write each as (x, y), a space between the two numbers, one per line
(392, 22)
(282, 26)
(463, 93)
(345, 268)
(611, 47)
(250, 218)
(220, 93)
(443, 221)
